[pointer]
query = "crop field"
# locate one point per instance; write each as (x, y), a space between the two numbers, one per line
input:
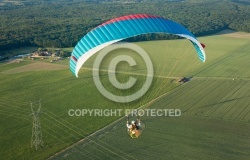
(59, 91)
(185, 137)
(215, 106)
(215, 114)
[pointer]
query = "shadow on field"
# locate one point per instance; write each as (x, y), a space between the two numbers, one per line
(226, 101)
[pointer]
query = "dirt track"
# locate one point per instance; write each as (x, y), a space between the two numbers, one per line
(38, 66)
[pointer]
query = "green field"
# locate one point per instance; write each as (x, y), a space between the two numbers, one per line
(215, 106)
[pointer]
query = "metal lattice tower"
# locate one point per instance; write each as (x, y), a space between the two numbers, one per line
(36, 138)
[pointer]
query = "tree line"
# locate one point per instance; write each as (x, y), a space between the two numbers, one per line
(63, 24)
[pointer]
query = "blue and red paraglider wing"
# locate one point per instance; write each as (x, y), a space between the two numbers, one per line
(124, 27)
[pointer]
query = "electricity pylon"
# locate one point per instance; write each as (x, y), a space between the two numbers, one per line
(36, 138)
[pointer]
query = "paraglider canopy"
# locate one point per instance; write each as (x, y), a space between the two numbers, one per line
(124, 27)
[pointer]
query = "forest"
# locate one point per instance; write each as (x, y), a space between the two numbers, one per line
(62, 24)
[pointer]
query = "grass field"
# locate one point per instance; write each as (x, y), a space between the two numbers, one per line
(59, 91)
(215, 108)
(185, 137)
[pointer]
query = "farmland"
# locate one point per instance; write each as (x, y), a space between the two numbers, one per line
(215, 107)
(215, 115)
